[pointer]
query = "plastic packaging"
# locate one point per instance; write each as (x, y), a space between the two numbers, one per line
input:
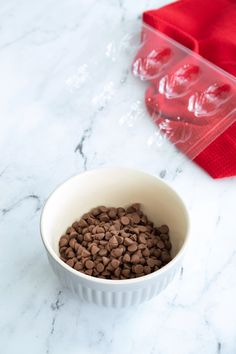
(191, 100)
(139, 72)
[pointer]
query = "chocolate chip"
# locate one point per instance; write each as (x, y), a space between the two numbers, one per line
(125, 220)
(84, 230)
(147, 269)
(138, 268)
(70, 262)
(86, 216)
(75, 225)
(128, 241)
(85, 253)
(90, 221)
(134, 237)
(120, 239)
(130, 209)
(113, 242)
(132, 248)
(164, 229)
(105, 260)
(117, 272)
(104, 217)
(95, 211)
(103, 209)
(157, 252)
(149, 243)
(141, 246)
(94, 249)
(103, 252)
(165, 257)
(94, 230)
(78, 266)
(126, 257)
(63, 250)
(106, 242)
(117, 225)
(160, 244)
(112, 213)
(127, 266)
(73, 234)
(126, 273)
(151, 262)
(63, 241)
(117, 252)
(70, 254)
(142, 238)
(112, 229)
(70, 230)
(108, 235)
(68, 250)
(135, 218)
(89, 264)
(82, 223)
(136, 206)
(103, 242)
(144, 219)
(88, 237)
(120, 211)
(100, 230)
(100, 236)
(100, 267)
(134, 259)
(135, 230)
(72, 243)
(168, 245)
(63, 259)
(79, 250)
(142, 228)
(80, 238)
(115, 263)
(156, 231)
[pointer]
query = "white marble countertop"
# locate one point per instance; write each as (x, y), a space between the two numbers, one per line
(56, 121)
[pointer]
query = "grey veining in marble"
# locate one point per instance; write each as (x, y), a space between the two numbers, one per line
(57, 120)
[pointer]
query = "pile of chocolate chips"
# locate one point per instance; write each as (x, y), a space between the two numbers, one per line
(115, 243)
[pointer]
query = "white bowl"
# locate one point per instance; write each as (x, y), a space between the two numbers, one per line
(114, 187)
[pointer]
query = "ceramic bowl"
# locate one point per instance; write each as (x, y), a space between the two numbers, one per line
(114, 187)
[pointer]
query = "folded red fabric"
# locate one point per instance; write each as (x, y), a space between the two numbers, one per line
(208, 28)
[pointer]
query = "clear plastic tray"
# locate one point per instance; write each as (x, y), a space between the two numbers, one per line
(190, 100)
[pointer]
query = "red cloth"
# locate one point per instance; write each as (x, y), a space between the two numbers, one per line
(208, 28)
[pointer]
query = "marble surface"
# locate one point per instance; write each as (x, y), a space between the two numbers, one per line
(63, 110)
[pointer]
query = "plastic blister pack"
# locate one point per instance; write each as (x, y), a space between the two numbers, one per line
(147, 74)
(191, 100)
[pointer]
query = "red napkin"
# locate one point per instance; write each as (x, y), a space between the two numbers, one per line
(208, 28)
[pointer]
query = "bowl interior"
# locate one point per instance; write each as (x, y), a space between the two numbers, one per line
(113, 187)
